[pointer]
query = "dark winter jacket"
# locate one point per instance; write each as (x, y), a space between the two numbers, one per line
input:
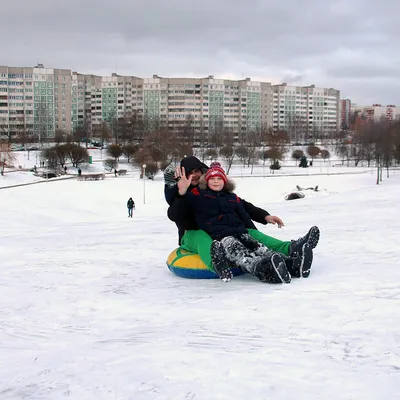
(220, 214)
(182, 214)
(130, 203)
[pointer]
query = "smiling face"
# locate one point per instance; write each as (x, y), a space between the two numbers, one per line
(216, 183)
(196, 175)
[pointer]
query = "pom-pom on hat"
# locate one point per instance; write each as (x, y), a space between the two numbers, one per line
(216, 170)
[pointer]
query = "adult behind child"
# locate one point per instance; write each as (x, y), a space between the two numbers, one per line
(197, 241)
(219, 212)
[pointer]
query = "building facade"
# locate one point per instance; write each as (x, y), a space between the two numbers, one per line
(35, 100)
(377, 112)
(42, 100)
(306, 112)
(345, 112)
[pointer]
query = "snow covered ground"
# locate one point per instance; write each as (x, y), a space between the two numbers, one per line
(89, 310)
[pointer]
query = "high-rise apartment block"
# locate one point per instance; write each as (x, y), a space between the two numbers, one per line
(345, 112)
(377, 112)
(41, 100)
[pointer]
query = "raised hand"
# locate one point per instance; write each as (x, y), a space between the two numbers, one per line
(183, 181)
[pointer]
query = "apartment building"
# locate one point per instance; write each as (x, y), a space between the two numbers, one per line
(50, 99)
(35, 100)
(377, 112)
(306, 111)
(345, 111)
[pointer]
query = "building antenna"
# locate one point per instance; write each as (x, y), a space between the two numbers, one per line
(116, 68)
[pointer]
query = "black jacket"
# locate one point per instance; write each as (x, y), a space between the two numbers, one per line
(219, 213)
(181, 213)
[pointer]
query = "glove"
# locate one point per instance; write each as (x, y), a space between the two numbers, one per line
(169, 176)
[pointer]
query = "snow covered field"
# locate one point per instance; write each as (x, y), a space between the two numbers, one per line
(89, 310)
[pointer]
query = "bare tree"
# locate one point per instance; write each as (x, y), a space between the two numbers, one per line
(278, 140)
(137, 127)
(228, 154)
(396, 147)
(50, 156)
(104, 132)
(275, 154)
(313, 151)
(242, 153)
(110, 164)
(23, 136)
(41, 122)
(7, 157)
(4, 131)
(60, 136)
(77, 154)
(187, 131)
(79, 134)
(124, 130)
(215, 132)
(297, 154)
(325, 154)
(114, 150)
(211, 154)
(296, 127)
(253, 142)
(87, 130)
(129, 151)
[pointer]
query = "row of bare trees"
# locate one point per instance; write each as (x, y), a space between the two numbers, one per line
(376, 144)
(59, 155)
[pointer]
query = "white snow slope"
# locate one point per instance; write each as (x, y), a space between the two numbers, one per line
(89, 310)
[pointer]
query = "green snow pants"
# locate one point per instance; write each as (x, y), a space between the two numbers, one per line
(199, 242)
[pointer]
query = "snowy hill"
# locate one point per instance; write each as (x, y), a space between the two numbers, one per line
(89, 309)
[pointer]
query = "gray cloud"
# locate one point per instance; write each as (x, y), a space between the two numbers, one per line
(351, 46)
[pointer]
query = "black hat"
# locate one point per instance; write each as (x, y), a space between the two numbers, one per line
(191, 162)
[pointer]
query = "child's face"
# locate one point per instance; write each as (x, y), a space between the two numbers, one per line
(216, 183)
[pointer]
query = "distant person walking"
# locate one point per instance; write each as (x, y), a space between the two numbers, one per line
(79, 172)
(131, 206)
(115, 172)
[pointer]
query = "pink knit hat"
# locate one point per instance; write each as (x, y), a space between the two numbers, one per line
(216, 170)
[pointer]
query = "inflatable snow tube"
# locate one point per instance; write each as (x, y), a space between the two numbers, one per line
(189, 265)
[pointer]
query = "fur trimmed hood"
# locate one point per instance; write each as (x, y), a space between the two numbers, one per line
(229, 186)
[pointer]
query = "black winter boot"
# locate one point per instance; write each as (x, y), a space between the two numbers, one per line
(300, 265)
(219, 261)
(311, 238)
(271, 268)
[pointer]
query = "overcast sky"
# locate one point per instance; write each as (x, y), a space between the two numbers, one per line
(351, 45)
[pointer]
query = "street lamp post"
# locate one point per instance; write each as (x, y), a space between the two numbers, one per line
(144, 183)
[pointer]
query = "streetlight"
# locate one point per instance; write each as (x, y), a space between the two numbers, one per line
(144, 183)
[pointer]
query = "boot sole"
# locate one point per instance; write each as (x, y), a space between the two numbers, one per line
(306, 261)
(282, 273)
(313, 237)
(225, 274)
